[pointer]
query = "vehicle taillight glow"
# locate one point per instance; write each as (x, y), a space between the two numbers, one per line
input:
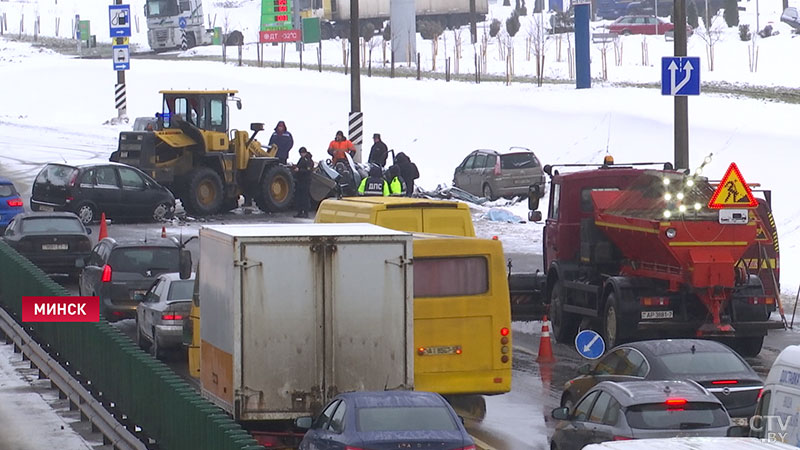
(171, 317)
(654, 301)
(14, 203)
(106, 274)
(504, 331)
(622, 438)
(760, 393)
(676, 401)
(421, 350)
(725, 382)
(497, 170)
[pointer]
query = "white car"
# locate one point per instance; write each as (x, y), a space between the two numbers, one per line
(692, 443)
(161, 313)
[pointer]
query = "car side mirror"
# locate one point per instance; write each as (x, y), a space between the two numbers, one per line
(560, 413)
(304, 422)
(89, 231)
(533, 197)
(534, 216)
(256, 126)
(585, 369)
(238, 104)
(185, 264)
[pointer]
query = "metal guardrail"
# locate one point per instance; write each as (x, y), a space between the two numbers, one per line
(116, 433)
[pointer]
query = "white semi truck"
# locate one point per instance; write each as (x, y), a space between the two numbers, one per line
(168, 20)
(292, 315)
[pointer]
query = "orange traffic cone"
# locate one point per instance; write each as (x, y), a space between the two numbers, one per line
(545, 346)
(103, 228)
(163, 232)
(546, 373)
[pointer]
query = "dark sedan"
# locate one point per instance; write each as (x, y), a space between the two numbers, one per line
(386, 420)
(57, 242)
(713, 365)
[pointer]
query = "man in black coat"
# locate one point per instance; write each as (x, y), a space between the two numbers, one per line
(302, 195)
(283, 139)
(408, 170)
(379, 151)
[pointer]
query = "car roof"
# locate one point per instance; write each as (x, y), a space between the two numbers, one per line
(394, 398)
(691, 443)
(131, 242)
(509, 151)
(656, 391)
(27, 215)
(4, 180)
(659, 347)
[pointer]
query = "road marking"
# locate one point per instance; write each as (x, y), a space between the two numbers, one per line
(482, 445)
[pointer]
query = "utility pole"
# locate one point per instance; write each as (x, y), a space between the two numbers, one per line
(473, 25)
(356, 129)
(681, 101)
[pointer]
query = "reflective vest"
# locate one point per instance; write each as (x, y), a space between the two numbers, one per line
(397, 187)
(374, 186)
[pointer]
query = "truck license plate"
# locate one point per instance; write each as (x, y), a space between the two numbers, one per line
(55, 247)
(656, 314)
(442, 350)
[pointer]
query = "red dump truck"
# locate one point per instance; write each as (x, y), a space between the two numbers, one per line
(637, 253)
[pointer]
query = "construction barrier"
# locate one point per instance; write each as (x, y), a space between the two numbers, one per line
(117, 372)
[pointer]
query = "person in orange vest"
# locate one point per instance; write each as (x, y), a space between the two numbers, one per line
(339, 146)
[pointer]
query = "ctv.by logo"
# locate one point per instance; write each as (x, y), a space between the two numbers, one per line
(759, 426)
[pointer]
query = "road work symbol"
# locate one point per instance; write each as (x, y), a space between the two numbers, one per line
(589, 344)
(733, 191)
(680, 76)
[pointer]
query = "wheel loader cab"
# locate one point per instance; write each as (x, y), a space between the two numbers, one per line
(201, 116)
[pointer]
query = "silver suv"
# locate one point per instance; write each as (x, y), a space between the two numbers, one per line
(493, 174)
(639, 410)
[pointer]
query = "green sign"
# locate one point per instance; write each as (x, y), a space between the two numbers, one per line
(217, 38)
(85, 30)
(276, 15)
(311, 32)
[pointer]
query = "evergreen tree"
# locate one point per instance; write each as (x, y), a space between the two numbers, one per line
(731, 13)
(512, 24)
(494, 27)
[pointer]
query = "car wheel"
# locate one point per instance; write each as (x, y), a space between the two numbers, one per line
(487, 192)
(205, 192)
(87, 213)
(276, 190)
(163, 211)
(140, 339)
(565, 325)
(612, 328)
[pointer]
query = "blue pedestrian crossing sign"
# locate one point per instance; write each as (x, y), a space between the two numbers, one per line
(121, 55)
(119, 20)
(182, 22)
(680, 75)
(589, 344)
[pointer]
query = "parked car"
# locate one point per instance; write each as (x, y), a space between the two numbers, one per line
(711, 364)
(388, 419)
(118, 190)
(56, 242)
(494, 174)
(639, 410)
(161, 312)
(791, 17)
(627, 25)
(10, 202)
(692, 443)
(776, 414)
(121, 272)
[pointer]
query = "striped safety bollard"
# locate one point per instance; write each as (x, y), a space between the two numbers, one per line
(120, 99)
(183, 39)
(356, 131)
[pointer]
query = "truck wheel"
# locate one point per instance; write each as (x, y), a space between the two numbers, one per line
(205, 194)
(276, 190)
(191, 41)
(748, 346)
(612, 328)
(565, 325)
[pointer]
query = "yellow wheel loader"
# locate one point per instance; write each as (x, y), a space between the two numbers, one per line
(192, 151)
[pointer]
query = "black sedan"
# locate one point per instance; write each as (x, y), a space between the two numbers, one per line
(713, 365)
(57, 242)
(386, 420)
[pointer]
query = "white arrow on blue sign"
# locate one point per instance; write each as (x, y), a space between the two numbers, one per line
(680, 75)
(119, 20)
(182, 22)
(589, 344)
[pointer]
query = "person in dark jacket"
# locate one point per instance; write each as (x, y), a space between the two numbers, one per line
(283, 139)
(374, 184)
(302, 176)
(379, 152)
(408, 171)
(397, 185)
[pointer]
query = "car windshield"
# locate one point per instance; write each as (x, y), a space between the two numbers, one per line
(517, 161)
(6, 190)
(411, 418)
(181, 290)
(660, 416)
(141, 259)
(702, 363)
(51, 225)
(56, 174)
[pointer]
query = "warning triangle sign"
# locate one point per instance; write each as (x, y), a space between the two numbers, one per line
(761, 235)
(733, 191)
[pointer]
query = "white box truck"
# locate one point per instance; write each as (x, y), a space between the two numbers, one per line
(293, 314)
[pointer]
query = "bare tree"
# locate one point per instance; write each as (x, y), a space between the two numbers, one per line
(711, 34)
(457, 50)
(538, 37)
(604, 45)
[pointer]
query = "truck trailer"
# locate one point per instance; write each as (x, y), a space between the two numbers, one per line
(295, 314)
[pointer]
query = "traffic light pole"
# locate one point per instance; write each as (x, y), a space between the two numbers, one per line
(681, 101)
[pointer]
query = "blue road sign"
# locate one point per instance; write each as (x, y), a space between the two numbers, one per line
(121, 56)
(182, 22)
(78, 27)
(119, 20)
(680, 75)
(589, 344)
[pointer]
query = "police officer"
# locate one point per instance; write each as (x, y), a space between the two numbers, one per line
(374, 184)
(397, 185)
